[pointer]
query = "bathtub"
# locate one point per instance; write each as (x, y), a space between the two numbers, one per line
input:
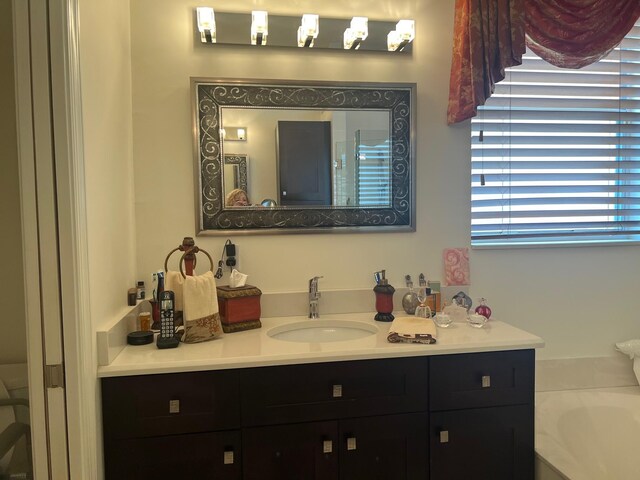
(591, 434)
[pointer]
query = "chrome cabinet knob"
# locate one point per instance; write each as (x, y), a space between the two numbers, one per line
(351, 443)
(327, 446)
(337, 391)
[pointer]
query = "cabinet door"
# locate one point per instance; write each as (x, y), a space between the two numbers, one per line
(305, 451)
(484, 444)
(391, 447)
(194, 456)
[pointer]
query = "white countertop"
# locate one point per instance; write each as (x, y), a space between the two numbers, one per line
(255, 348)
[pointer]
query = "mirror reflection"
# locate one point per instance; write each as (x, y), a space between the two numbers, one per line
(319, 156)
(235, 172)
(339, 158)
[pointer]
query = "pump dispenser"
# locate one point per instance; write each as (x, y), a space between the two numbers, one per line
(384, 298)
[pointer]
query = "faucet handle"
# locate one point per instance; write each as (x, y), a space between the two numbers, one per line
(313, 287)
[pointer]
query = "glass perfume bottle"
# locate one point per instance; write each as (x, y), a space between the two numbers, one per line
(483, 309)
(409, 300)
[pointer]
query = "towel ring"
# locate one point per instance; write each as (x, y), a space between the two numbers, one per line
(194, 250)
(187, 251)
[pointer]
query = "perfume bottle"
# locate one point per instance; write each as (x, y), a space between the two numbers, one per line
(483, 309)
(409, 300)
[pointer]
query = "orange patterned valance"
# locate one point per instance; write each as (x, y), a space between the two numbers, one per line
(489, 36)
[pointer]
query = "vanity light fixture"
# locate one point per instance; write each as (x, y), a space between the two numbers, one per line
(308, 30)
(206, 24)
(234, 133)
(259, 27)
(399, 38)
(356, 33)
(302, 31)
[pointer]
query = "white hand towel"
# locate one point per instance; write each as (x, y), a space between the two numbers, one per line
(412, 330)
(201, 315)
(174, 281)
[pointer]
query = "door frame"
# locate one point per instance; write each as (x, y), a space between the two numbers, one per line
(59, 327)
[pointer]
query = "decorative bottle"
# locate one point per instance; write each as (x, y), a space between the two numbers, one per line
(409, 300)
(483, 309)
(384, 298)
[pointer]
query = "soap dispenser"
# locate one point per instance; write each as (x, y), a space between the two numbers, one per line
(384, 298)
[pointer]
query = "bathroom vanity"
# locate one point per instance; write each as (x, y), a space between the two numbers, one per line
(361, 409)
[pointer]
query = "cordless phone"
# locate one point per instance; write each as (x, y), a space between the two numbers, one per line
(166, 338)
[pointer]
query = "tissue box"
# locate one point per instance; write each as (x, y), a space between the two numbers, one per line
(239, 308)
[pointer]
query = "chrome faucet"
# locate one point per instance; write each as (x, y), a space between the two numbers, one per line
(314, 296)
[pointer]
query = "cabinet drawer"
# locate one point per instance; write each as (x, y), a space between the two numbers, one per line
(298, 393)
(170, 404)
(193, 456)
(481, 379)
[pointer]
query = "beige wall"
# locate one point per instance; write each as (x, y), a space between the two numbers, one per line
(13, 341)
(106, 109)
(578, 299)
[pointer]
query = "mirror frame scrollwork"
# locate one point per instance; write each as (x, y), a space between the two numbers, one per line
(210, 95)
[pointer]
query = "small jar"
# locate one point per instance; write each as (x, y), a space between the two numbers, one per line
(131, 297)
(442, 319)
(144, 320)
(476, 320)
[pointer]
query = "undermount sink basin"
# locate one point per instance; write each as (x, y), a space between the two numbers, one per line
(319, 331)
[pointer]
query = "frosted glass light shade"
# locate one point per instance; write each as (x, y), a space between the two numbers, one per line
(360, 27)
(259, 27)
(406, 30)
(206, 24)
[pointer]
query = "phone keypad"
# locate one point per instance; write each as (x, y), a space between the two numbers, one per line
(166, 325)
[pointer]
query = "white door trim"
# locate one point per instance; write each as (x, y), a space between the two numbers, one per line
(53, 207)
(82, 392)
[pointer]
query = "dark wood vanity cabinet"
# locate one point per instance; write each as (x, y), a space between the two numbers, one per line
(347, 420)
(392, 447)
(172, 426)
(482, 415)
(391, 419)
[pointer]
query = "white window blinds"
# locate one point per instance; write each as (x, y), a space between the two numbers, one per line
(555, 153)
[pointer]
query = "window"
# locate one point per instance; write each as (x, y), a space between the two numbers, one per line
(555, 155)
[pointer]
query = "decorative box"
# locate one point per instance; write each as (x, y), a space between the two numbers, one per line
(239, 308)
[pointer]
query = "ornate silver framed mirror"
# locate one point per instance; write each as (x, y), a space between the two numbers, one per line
(325, 157)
